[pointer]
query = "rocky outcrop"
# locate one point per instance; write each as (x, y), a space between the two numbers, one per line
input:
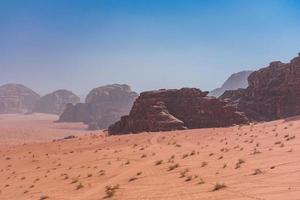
(80, 112)
(17, 98)
(166, 110)
(55, 102)
(273, 92)
(234, 82)
(103, 106)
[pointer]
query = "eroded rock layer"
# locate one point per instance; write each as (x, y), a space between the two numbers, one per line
(273, 92)
(165, 110)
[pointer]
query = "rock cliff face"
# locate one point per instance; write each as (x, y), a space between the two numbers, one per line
(103, 106)
(16, 98)
(273, 92)
(166, 110)
(234, 82)
(55, 102)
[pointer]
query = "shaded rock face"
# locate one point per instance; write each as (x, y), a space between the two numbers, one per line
(55, 102)
(166, 110)
(76, 113)
(103, 106)
(234, 82)
(17, 98)
(273, 92)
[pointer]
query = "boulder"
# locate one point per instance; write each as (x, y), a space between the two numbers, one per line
(273, 92)
(17, 98)
(103, 106)
(166, 110)
(55, 102)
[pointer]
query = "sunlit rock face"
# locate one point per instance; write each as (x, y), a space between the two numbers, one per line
(166, 110)
(273, 92)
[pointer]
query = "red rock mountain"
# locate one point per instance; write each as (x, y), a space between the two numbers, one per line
(55, 102)
(103, 106)
(166, 110)
(273, 92)
(17, 98)
(234, 82)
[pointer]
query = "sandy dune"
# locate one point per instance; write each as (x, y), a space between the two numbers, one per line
(253, 162)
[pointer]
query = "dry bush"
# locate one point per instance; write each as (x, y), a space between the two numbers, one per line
(204, 163)
(111, 190)
(257, 171)
(158, 162)
(172, 167)
(219, 186)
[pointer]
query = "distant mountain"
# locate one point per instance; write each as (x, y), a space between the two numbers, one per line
(55, 102)
(235, 81)
(103, 106)
(17, 98)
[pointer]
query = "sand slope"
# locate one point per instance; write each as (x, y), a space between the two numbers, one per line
(254, 162)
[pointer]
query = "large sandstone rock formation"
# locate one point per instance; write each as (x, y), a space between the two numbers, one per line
(166, 110)
(234, 82)
(273, 92)
(17, 98)
(55, 102)
(103, 106)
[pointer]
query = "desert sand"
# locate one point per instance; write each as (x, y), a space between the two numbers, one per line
(256, 161)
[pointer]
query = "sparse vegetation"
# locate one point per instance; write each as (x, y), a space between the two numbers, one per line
(79, 186)
(203, 164)
(111, 190)
(257, 171)
(172, 167)
(43, 197)
(158, 162)
(219, 186)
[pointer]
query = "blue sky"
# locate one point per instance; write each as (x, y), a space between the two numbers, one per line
(149, 44)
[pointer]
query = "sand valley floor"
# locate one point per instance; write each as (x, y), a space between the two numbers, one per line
(257, 161)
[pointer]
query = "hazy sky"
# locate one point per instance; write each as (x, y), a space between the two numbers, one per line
(149, 44)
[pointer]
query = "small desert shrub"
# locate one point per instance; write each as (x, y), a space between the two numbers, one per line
(132, 179)
(127, 162)
(110, 190)
(183, 173)
(74, 181)
(158, 162)
(239, 163)
(257, 171)
(278, 142)
(43, 197)
(219, 186)
(201, 181)
(172, 167)
(185, 156)
(79, 186)
(189, 178)
(203, 164)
